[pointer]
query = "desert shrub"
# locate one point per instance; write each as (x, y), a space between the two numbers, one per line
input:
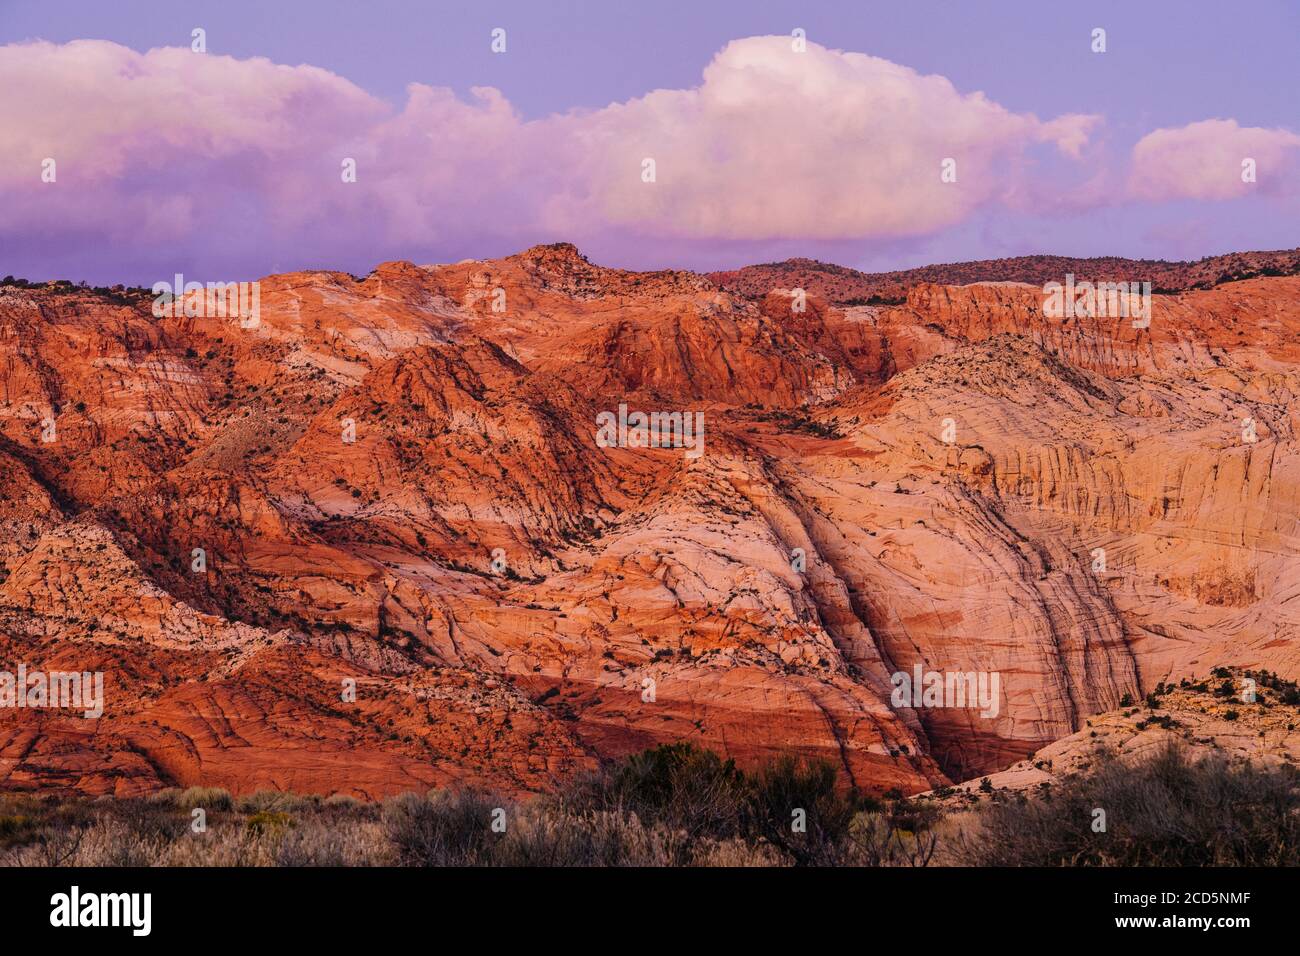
(278, 801)
(113, 842)
(16, 829)
(901, 835)
(146, 832)
(334, 842)
(873, 839)
(268, 821)
(549, 836)
(341, 807)
(227, 841)
(447, 828)
(207, 798)
(55, 845)
(678, 786)
(53, 830)
(1167, 810)
(149, 820)
(788, 785)
(738, 852)
(259, 800)
(682, 805)
(711, 809)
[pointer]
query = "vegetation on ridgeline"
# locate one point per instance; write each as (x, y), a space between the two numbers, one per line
(114, 295)
(843, 286)
(679, 805)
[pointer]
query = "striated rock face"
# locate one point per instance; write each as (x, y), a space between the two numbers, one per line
(377, 541)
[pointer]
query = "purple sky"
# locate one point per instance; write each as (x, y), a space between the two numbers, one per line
(168, 164)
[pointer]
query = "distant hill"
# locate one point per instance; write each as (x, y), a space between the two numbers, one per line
(844, 286)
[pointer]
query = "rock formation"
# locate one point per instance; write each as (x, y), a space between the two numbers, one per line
(371, 543)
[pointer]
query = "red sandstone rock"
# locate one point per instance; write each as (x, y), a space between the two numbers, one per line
(366, 553)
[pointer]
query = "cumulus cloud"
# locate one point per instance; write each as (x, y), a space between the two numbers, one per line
(184, 150)
(150, 139)
(821, 144)
(1204, 160)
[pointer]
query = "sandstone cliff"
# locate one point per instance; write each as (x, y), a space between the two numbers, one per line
(396, 487)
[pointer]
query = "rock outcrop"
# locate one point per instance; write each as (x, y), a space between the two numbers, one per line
(372, 542)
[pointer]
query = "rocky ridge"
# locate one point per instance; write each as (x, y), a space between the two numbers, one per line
(397, 492)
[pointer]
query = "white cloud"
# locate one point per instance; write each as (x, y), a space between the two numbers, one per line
(1203, 160)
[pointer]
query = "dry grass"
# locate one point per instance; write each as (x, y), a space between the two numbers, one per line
(679, 806)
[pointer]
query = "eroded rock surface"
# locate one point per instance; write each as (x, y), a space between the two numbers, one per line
(394, 484)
